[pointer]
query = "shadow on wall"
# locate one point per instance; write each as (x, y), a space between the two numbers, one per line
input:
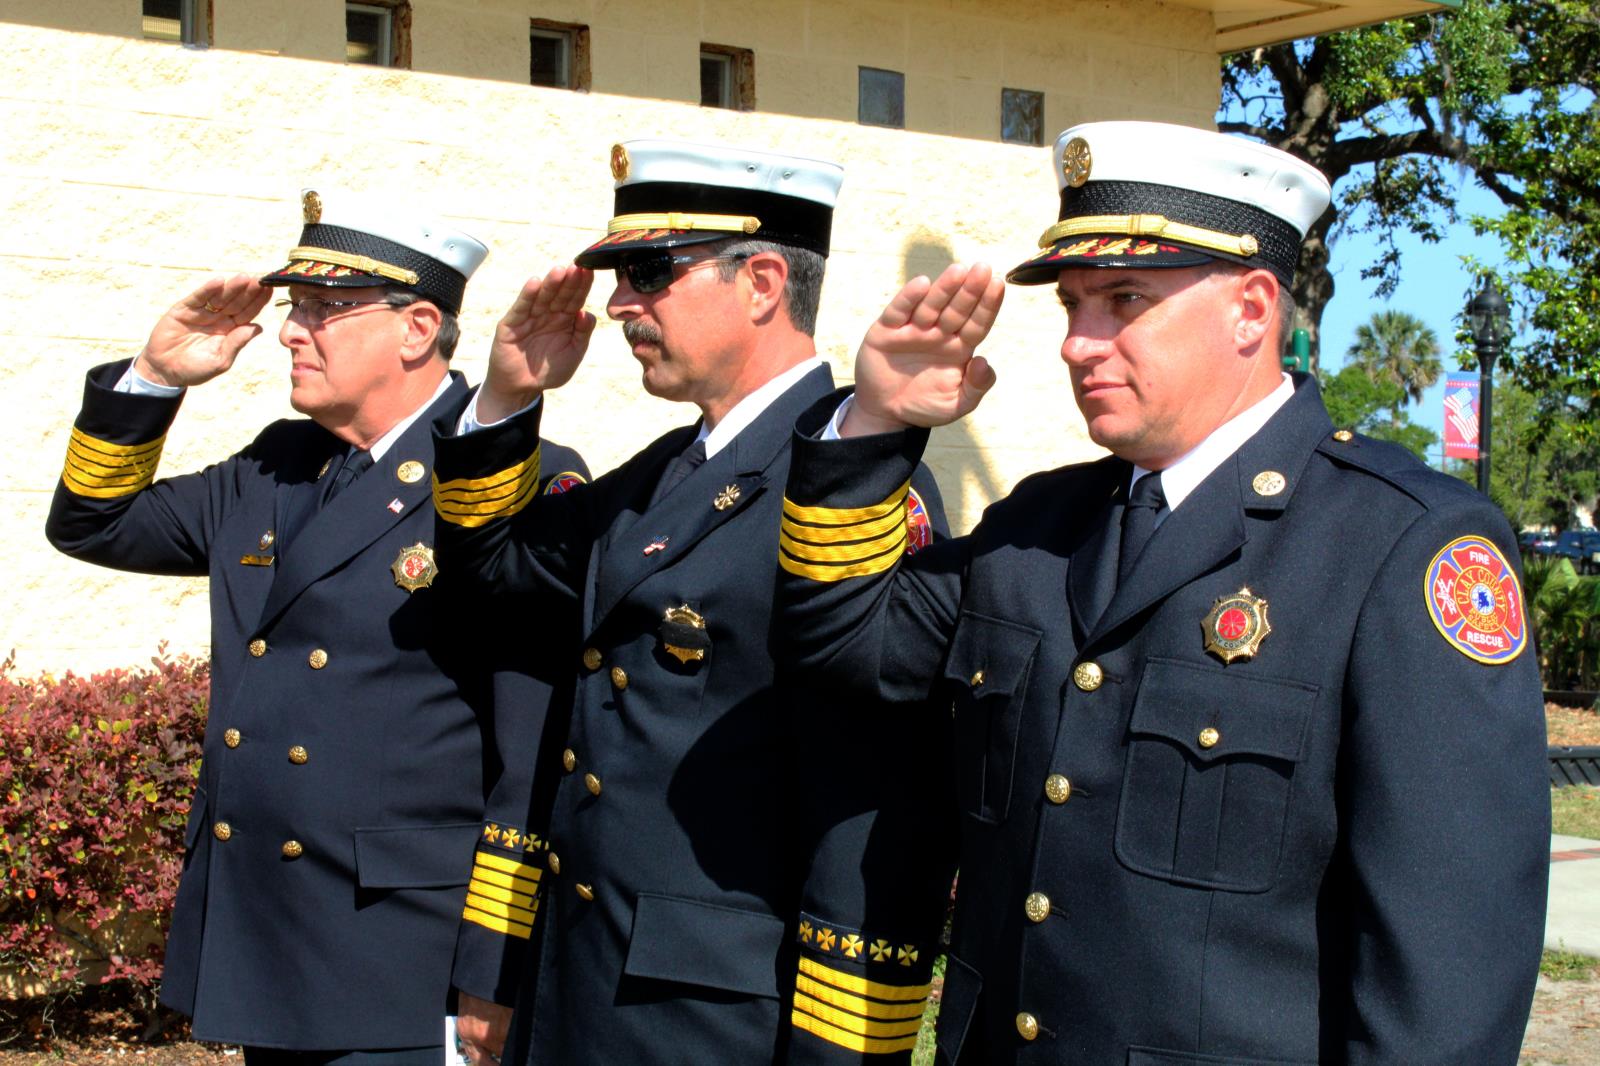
(966, 479)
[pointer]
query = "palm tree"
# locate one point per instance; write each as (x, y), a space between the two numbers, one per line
(1398, 349)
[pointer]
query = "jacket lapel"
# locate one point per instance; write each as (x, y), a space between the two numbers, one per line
(1092, 571)
(334, 534)
(722, 487)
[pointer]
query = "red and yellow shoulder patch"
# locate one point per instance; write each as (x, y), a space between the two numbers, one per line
(919, 528)
(562, 482)
(1475, 601)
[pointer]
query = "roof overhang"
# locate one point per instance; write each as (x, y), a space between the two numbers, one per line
(1242, 24)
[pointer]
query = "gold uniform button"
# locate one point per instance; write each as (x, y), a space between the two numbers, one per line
(222, 830)
(1088, 676)
(1036, 906)
(318, 659)
(1343, 436)
(619, 677)
(1027, 1025)
(585, 891)
(1209, 738)
(292, 849)
(569, 760)
(977, 678)
(591, 658)
(298, 755)
(553, 861)
(1057, 789)
(232, 738)
(592, 783)
(258, 647)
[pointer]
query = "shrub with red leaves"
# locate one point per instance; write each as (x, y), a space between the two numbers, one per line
(96, 776)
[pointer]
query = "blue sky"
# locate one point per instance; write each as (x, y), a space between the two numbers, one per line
(1433, 286)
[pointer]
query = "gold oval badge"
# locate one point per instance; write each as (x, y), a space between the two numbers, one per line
(1076, 161)
(414, 567)
(1269, 483)
(311, 207)
(619, 162)
(410, 472)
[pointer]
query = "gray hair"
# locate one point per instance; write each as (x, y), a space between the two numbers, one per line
(449, 328)
(802, 293)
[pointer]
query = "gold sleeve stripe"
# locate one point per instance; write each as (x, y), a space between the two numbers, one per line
(480, 887)
(843, 553)
(507, 501)
(840, 573)
(504, 910)
(498, 484)
(851, 1041)
(837, 534)
(498, 924)
(495, 877)
(854, 1023)
(510, 866)
(844, 516)
(101, 470)
(867, 1008)
(860, 985)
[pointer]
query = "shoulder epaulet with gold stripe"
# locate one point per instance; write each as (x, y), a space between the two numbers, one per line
(102, 470)
(504, 892)
(835, 543)
(863, 992)
(473, 502)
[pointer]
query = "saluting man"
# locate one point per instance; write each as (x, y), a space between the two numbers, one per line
(1249, 737)
(731, 878)
(353, 739)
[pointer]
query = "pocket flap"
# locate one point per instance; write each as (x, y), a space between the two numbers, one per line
(992, 649)
(415, 856)
(957, 1006)
(1149, 1056)
(1240, 715)
(673, 940)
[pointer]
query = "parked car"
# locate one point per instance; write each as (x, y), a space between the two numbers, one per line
(1582, 546)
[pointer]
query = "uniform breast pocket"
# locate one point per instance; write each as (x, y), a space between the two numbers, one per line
(1210, 775)
(988, 667)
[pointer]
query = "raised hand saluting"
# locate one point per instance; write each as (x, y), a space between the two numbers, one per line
(539, 343)
(202, 334)
(916, 365)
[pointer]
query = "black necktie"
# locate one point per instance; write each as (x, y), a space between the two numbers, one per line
(1139, 522)
(679, 468)
(355, 464)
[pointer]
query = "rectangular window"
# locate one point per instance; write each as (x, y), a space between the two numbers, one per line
(1021, 116)
(378, 33)
(727, 77)
(881, 98)
(558, 54)
(179, 21)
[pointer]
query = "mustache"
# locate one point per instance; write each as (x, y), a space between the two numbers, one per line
(637, 332)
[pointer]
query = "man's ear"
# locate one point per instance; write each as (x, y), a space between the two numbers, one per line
(1259, 293)
(421, 322)
(768, 273)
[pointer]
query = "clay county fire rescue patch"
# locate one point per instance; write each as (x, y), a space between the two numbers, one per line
(919, 530)
(1475, 601)
(562, 482)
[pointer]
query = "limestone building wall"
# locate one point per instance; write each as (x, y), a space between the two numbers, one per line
(135, 169)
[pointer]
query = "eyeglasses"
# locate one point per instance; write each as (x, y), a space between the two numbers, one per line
(313, 310)
(653, 273)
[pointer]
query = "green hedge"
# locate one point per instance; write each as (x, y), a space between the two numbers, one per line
(96, 776)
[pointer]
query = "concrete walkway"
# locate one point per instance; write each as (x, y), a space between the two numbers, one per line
(1572, 920)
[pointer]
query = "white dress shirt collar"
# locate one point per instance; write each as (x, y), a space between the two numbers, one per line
(1184, 476)
(385, 442)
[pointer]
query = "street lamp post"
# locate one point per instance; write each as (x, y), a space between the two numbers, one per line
(1490, 321)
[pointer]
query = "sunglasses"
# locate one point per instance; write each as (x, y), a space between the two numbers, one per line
(653, 273)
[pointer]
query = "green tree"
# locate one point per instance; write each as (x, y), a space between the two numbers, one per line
(1356, 401)
(1399, 348)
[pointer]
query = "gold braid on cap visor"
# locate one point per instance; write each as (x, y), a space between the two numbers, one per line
(1151, 226)
(681, 221)
(356, 262)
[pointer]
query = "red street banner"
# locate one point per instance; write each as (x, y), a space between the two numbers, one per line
(1461, 417)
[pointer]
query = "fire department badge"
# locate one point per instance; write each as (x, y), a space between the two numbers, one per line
(1236, 626)
(311, 208)
(414, 567)
(619, 162)
(563, 481)
(1475, 601)
(919, 530)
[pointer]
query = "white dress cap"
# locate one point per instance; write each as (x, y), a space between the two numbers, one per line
(727, 166)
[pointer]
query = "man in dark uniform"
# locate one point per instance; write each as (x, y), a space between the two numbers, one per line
(728, 880)
(1250, 752)
(353, 739)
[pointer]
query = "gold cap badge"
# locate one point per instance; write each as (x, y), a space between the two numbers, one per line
(1076, 160)
(1236, 626)
(311, 208)
(414, 567)
(619, 162)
